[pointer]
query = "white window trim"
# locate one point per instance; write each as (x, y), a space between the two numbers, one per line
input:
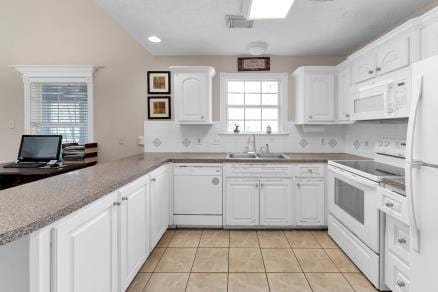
(55, 73)
(284, 97)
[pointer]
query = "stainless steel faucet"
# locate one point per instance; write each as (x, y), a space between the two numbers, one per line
(254, 150)
(267, 148)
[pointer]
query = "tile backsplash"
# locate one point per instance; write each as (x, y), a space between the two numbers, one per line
(168, 136)
(358, 138)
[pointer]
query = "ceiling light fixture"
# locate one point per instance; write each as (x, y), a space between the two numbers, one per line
(154, 39)
(257, 48)
(268, 9)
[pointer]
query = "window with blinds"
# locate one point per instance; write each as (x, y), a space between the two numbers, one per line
(60, 108)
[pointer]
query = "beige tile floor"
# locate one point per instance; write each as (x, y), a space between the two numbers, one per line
(248, 261)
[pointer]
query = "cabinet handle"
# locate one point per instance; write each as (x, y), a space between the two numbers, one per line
(124, 198)
(153, 179)
(401, 284)
(347, 115)
(257, 186)
(402, 241)
(202, 117)
(261, 186)
(389, 205)
(298, 185)
(116, 204)
(378, 69)
(370, 72)
(310, 117)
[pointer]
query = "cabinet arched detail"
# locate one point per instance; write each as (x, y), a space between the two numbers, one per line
(193, 94)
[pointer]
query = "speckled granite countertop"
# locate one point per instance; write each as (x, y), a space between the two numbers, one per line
(396, 182)
(27, 208)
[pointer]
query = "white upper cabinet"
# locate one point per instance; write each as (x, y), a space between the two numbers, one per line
(344, 93)
(193, 94)
(395, 50)
(429, 34)
(393, 55)
(315, 95)
(364, 67)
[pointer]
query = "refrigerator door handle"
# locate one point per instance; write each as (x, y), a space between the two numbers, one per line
(415, 241)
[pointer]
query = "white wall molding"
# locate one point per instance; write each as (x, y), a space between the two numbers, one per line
(68, 71)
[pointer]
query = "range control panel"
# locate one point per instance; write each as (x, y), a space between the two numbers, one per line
(391, 147)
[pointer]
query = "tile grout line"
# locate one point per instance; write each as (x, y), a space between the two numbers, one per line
(229, 248)
(349, 284)
(194, 258)
(263, 260)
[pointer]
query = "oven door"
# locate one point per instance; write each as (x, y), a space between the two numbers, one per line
(353, 201)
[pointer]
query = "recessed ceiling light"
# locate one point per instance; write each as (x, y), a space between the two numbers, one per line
(268, 9)
(154, 39)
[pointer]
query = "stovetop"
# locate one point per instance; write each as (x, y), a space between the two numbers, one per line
(372, 169)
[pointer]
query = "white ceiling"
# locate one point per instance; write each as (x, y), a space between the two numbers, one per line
(197, 27)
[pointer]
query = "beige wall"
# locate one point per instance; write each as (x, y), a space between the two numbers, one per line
(79, 32)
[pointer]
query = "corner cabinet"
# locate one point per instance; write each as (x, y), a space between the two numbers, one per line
(193, 94)
(315, 95)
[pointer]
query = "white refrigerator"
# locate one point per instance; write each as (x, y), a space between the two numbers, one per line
(422, 175)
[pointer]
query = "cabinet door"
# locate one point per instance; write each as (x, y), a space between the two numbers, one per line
(159, 204)
(85, 249)
(429, 40)
(192, 96)
(364, 67)
(393, 55)
(134, 244)
(344, 87)
(276, 202)
(310, 202)
(242, 201)
(320, 97)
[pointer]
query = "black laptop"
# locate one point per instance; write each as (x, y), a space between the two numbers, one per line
(37, 150)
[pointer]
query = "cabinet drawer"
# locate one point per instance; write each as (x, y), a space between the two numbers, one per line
(394, 204)
(397, 239)
(310, 170)
(396, 274)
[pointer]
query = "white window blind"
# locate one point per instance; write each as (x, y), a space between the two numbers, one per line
(60, 108)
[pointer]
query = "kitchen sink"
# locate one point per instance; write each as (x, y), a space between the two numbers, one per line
(274, 156)
(242, 156)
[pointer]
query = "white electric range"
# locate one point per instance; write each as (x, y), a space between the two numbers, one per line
(355, 222)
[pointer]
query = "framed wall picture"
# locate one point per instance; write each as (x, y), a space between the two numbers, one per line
(254, 64)
(159, 108)
(159, 82)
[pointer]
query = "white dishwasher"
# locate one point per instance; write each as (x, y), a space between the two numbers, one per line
(198, 194)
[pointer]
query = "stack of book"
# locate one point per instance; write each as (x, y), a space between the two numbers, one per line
(73, 153)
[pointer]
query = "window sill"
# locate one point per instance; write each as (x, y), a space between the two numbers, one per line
(257, 134)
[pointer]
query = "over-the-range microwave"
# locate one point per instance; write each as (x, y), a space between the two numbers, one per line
(385, 98)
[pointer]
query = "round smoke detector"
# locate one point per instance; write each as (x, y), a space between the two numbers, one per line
(257, 48)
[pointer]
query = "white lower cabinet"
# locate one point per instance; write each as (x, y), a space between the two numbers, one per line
(84, 249)
(101, 247)
(276, 202)
(134, 234)
(160, 186)
(310, 196)
(242, 202)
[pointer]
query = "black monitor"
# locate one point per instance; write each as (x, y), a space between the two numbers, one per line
(40, 148)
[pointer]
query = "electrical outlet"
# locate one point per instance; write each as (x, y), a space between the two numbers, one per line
(216, 142)
(11, 124)
(198, 141)
(140, 140)
(322, 141)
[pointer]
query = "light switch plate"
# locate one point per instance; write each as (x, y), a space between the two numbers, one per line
(11, 124)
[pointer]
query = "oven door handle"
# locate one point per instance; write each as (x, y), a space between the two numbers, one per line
(353, 177)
